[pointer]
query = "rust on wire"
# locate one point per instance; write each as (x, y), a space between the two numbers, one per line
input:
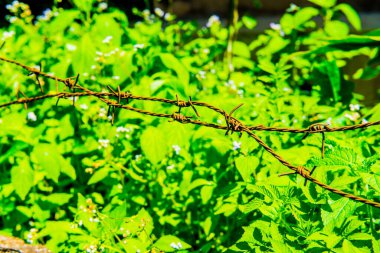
(232, 124)
(181, 103)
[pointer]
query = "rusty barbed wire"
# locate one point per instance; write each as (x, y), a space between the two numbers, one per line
(232, 124)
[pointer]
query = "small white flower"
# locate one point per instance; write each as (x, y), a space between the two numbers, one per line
(138, 46)
(107, 39)
(231, 84)
(328, 121)
(236, 145)
(80, 223)
(170, 167)
(7, 35)
(276, 27)
(32, 116)
(121, 129)
(214, 19)
(159, 12)
(355, 107)
(46, 15)
(116, 77)
(138, 157)
(174, 245)
(102, 6)
(12, 19)
(168, 16)
(146, 13)
(103, 143)
(292, 8)
(206, 51)
(202, 74)
(71, 47)
(176, 148)
(364, 121)
(179, 244)
(353, 117)
(102, 112)
(83, 106)
(240, 93)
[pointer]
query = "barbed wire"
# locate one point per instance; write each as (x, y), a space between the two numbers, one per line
(232, 124)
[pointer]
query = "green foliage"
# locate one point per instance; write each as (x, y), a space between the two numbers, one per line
(74, 182)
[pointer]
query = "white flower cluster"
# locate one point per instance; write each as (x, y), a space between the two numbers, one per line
(277, 27)
(107, 40)
(177, 245)
(122, 130)
(32, 116)
(7, 35)
(13, 6)
(102, 6)
(176, 148)
(213, 20)
(47, 15)
(103, 143)
(32, 235)
(236, 145)
(354, 107)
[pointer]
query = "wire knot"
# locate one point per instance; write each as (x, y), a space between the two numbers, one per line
(303, 171)
(318, 127)
(180, 117)
(233, 124)
(182, 103)
(69, 82)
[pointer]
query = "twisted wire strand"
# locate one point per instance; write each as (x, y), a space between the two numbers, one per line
(232, 124)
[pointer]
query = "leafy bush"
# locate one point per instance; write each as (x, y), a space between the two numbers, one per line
(74, 182)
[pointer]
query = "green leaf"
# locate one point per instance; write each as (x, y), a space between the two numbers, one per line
(349, 247)
(153, 145)
(171, 62)
(249, 21)
(61, 22)
(351, 15)
(84, 56)
(16, 147)
(48, 158)
(84, 5)
(206, 193)
(372, 180)
(58, 198)
(246, 166)
(170, 243)
(241, 49)
(251, 206)
(337, 211)
(337, 28)
(197, 183)
(304, 15)
(324, 3)
(124, 68)
(360, 237)
(22, 177)
(99, 175)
